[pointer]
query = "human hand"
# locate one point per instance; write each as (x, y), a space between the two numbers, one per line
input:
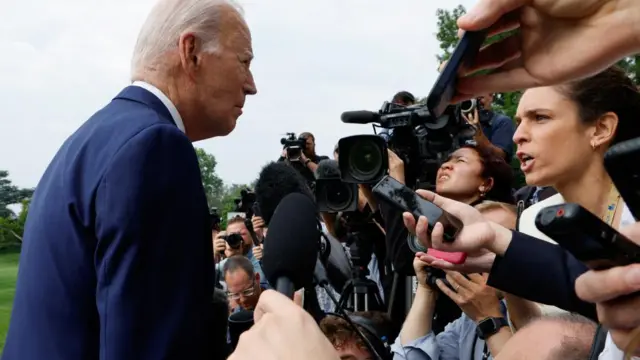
(472, 118)
(476, 236)
(472, 295)
(552, 35)
(422, 273)
(257, 252)
(219, 243)
(396, 166)
(616, 293)
(283, 331)
(257, 222)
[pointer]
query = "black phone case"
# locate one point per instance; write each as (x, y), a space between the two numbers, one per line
(587, 237)
(621, 163)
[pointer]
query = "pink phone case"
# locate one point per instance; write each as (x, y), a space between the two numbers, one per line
(452, 257)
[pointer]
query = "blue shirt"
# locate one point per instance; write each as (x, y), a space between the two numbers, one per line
(499, 130)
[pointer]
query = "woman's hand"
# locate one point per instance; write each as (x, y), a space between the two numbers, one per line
(555, 43)
(477, 238)
(472, 295)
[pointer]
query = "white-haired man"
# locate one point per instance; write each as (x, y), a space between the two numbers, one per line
(116, 261)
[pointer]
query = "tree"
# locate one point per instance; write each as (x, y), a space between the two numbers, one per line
(12, 229)
(10, 194)
(631, 66)
(447, 35)
(231, 193)
(212, 183)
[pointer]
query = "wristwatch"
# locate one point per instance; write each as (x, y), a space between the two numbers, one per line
(490, 326)
(307, 162)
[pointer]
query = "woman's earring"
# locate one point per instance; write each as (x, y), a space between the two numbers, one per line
(593, 145)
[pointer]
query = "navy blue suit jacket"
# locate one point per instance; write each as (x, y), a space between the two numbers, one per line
(540, 271)
(117, 256)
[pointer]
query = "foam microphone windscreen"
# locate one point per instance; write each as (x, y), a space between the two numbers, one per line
(277, 180)
(328, 169)
(359, 117)
(291, 246)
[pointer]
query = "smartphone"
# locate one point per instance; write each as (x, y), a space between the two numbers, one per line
(445, 87)
(587, 237)
(404, 199)
(620, 161)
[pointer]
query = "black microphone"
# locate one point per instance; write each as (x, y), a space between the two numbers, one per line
(291, 245)
(239, 322)
(360, 117)
(277, 180)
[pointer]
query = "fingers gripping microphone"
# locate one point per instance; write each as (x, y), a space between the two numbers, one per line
(291, 246)
(276, 181)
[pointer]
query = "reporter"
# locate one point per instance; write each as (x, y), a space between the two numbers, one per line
(282, 330)
(551, 34)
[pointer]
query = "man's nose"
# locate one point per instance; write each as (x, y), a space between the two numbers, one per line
(250, 87)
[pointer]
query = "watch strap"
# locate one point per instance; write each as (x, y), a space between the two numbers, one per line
(490, 326)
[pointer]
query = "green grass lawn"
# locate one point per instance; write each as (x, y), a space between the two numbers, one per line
(8, 273)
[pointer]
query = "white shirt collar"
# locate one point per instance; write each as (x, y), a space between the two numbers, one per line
(165, 100)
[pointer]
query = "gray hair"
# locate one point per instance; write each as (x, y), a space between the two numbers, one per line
(171, 18)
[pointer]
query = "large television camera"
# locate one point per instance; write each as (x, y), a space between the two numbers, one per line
(293, 146)
(421, 140)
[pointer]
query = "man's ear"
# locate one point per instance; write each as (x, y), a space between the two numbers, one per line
(188, 47)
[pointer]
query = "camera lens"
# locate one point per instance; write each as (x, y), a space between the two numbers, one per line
(415, 245)
(365, 160)
(339, 195)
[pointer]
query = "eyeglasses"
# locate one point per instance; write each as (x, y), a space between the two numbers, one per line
(245, 293)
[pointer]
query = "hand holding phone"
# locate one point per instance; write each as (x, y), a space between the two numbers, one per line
(396, 194)
(587, 237)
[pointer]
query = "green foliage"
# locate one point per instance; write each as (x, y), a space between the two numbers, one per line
(10, 194)
(12, 228)
(228, 205)
(631, 66)
(212, 183)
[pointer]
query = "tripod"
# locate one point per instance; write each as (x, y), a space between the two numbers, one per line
(360, 293)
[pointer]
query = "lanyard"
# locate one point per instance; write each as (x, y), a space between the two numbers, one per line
(612, 206)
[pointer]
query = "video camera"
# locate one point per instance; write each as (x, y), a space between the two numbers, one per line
(421, 140)
(215, 219)
(246, 203)
(294, 146)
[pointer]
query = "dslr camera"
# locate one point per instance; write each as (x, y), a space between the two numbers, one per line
(246, 203)
(234, 240)
(423, 142)
(294, 146)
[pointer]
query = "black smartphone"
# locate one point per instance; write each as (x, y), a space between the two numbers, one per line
(587, 237)
(404, 199)
(445, 87)
(620, 161)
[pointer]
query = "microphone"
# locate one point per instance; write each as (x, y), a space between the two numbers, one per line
(291, 245)
(277, 180)
(360, 117)
(328, 169)
(239, 322)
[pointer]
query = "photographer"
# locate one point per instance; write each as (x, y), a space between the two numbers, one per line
(236, 240)
(403, 98)
(308, 160)
(374, 325)
(493, 130)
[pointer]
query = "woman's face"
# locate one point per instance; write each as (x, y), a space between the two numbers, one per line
(553, 145)
(460, 177)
